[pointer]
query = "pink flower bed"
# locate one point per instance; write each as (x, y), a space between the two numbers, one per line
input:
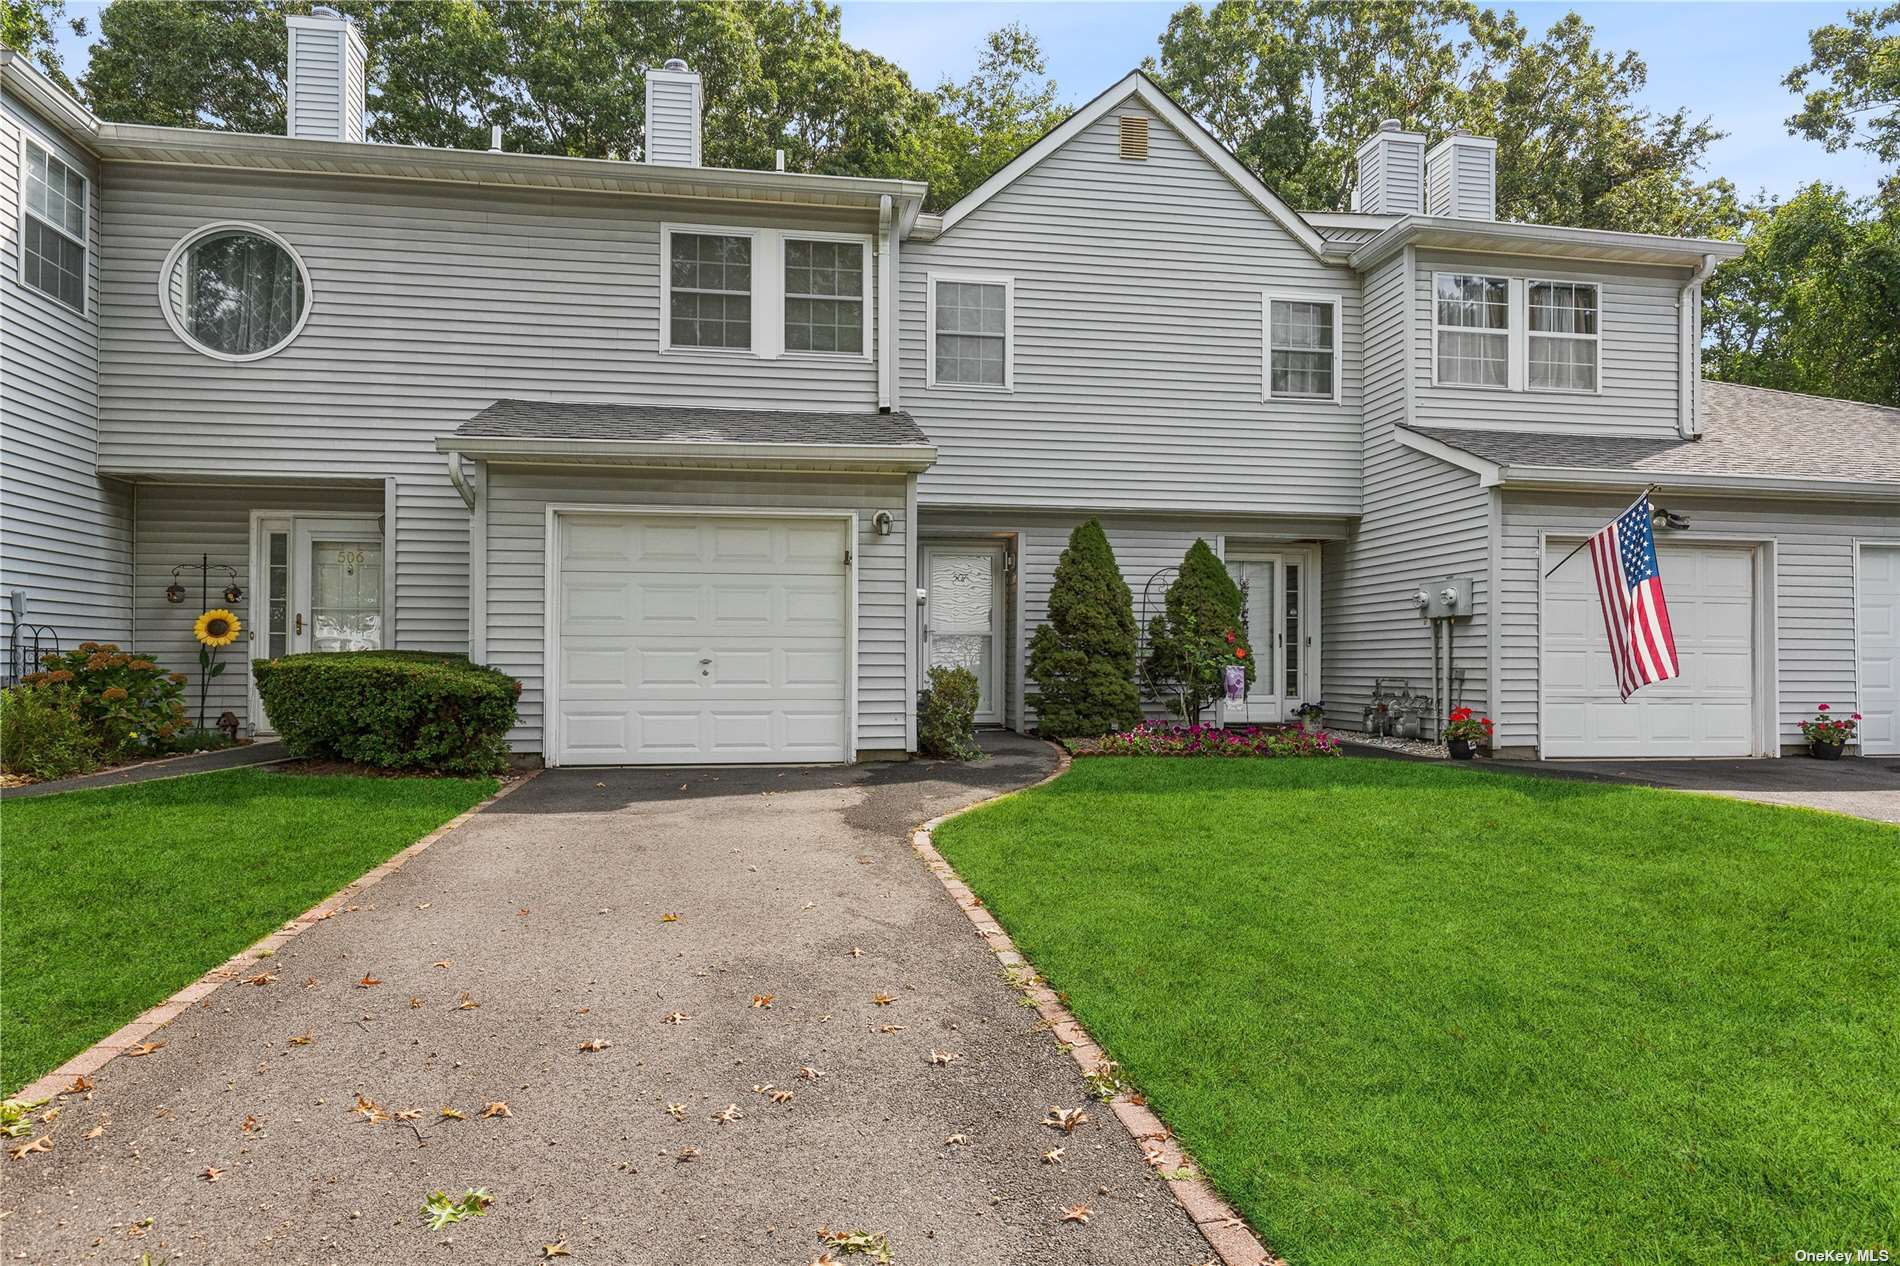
(1162, 739)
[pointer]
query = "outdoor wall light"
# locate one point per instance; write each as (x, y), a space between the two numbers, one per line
(881, 522)
(174, 593)
(232, 593)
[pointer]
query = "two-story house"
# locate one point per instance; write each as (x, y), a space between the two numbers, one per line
(719, 462)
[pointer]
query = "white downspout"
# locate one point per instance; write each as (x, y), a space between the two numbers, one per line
(886, 307)
(1689, 314)
(460, 480)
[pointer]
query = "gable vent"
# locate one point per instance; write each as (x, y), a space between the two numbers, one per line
(1134, 136)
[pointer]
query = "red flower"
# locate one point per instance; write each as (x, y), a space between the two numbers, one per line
(1823, 707)
(1240, 652)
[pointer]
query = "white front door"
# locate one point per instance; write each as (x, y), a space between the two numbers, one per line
(1879, 608)
(316, 585)
(963, 618)
(686, 639)
(1274, 590)
(1708, 711)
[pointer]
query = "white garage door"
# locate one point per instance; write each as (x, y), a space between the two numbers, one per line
(1880, 649)
(1708, 711)
(683, 639)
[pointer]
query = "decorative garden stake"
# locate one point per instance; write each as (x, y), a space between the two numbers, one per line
(214, 630)
(1236, 682)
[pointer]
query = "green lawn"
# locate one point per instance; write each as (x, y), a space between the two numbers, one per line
(112, 900)
(1409, 1013)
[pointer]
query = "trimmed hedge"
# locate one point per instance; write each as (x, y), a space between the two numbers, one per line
(391, 709)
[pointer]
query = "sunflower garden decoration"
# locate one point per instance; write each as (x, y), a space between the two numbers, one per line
(215, 630)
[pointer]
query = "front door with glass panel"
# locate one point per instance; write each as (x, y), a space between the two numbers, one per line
(963, 618)
(317, 586)
(1273, 588)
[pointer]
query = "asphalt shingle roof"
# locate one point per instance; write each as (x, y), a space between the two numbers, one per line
(560, 420)
(1746, 431)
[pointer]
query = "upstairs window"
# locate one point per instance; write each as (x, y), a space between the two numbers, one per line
(1473, 328)
(709, 300)
(53, 235)
(1564, 337)
(824, 296)
(970, 327)
(1302, 349)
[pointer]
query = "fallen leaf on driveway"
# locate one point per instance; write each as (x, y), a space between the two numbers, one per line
(675, 1017)
(779, 1096)
(451, 1114)
(415, 1003)
(956, 1139)
(686, 1154)
(522, 913)
(304, 1038)
(262, 978)
(370, 1110)
(677, 1111)
(467, 1002)
(50, 1115)
(310, 982)
(250, 1124)
(441, 1211)
(669, 917)
(762, 999)
(809, 1073)
(499, 1108)
(95, 1131)
(728, 1114)
(40, 1144)
(597, 1044)
(1065, 1119)
(368, 982)
(875, 1246)
(882, 999)
(82, 1084)
(145, 1048)
(212, 1173)
(422, 905)
(1052, 1157)
(446, 962)
(891, 1028)
(942, 1057)
(1077, 1213)
(409, 1114)
(856, 952)
(557, 1249)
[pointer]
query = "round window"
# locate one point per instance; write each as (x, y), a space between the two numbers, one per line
(236, 291)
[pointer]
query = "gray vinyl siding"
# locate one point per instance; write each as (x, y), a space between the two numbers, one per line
(1462, 183)
(1439, 190)
(1391, 178)
(355, 90)
(65, 534)
(1813, 590)
(517, 502)
(429, 302)
(316, 76)
(1422, 520)
(1147, 550)
(1138, 356)
(1639, 356)
(184, 523)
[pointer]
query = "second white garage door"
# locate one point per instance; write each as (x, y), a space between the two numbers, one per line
(1708, 711)
(683, 639)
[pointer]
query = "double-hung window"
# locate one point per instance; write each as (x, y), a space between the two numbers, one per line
(1563, 336)
(53, 234)
(1472, 319)
(1302, 349)
(824, 295)
(970, 332)
(709, 298)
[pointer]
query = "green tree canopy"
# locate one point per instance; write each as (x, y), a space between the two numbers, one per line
(1851, 84)
(1814, 303)
(1293, 88)
(31, 27)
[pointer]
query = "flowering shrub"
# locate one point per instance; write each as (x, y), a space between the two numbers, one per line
(127, 701)
(1156, 739)
(1466, 724)
(42, 735)
(1830, 730)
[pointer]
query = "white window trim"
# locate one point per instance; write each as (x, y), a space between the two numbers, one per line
(84, 240)
(1267, 300)
(177, 253)
(1512, 324)
(864, 272)
(768, 292)
(1008, 283)
(1595, 340)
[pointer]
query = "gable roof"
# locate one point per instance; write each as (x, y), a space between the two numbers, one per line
(1752, 437)
(1137, 85)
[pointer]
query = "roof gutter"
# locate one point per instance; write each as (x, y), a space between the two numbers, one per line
(910, 458)
(1437, 231)
(46, 98)
(1564, 478)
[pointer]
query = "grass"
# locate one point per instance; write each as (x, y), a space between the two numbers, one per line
(1407, 1013)
(112, 900)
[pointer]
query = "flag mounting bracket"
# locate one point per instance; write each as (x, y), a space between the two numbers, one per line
(1667, 518)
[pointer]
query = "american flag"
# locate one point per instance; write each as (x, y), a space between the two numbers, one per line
(1630, 587)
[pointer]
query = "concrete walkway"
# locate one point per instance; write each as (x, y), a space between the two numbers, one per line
(264, 752)
(1865, 787)
(539, 927)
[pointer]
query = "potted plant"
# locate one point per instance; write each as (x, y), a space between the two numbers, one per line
(1463, 729)
(1311, 716)
(1827, 735)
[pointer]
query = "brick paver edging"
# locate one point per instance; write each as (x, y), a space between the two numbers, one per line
(106, 1049)
(1226, 1232)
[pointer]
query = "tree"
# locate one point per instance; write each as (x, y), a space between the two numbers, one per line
(970, 130)
(1813, 304)
(1199, 633)
(31, 28)
(1083, 659)
(1294, 88)
(1855, 70)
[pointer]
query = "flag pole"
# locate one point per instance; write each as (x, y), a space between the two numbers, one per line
(1586, 540)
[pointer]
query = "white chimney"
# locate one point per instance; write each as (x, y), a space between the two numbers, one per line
(326, 77)
(1461, 177)
(1391, 172)
(673, 115)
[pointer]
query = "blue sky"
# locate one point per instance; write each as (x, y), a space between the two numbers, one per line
(1724, 60)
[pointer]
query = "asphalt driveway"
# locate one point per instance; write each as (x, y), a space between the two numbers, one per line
(540, 927)
(1866, 787)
